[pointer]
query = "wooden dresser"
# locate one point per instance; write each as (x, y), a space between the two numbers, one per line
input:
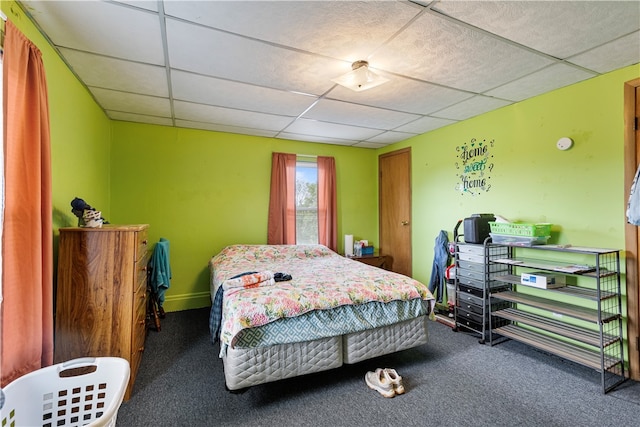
(102, 293)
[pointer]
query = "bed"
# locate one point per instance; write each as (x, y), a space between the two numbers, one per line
(281, 311)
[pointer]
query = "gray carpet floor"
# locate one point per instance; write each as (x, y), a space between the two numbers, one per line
(453, 381)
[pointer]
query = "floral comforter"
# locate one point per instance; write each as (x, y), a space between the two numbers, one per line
(320, 280)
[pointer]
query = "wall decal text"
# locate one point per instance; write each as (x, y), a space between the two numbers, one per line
(474, 166)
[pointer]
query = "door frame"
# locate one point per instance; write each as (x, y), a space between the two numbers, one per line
(631, 161)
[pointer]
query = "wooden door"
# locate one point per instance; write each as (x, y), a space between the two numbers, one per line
(395, 208)
(632, 232)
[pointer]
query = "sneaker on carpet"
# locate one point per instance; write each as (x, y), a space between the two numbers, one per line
(380, 381)
(395, 379)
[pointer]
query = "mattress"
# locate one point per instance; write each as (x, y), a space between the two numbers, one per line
(246, 367)
(376, 342)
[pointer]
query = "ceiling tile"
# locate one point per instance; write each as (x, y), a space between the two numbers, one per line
(425, 124)
(617, 54)
(319, 139)
(331, 130)
(101, 27)
(558, 28)
(356, 28)
(403, 94)
(117, 74)
(224, 128)
(131, 102)
(357, 115)
(219, 54)
(144, 4)
(438, 51)
(228, 116)
(471, 108)
(368, 144)
(212, 91)
(390, 137)
(550, 78)
(139, 118)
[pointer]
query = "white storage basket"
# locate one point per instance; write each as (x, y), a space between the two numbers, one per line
(80, 392)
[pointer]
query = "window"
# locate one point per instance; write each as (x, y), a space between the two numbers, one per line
(306, 202)
(316, 199)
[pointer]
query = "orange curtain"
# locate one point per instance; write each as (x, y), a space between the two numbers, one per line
(327, 205)
(27, 259)
(282, 202)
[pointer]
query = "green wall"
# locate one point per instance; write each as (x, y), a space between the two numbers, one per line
(580, 190)
(204, 190)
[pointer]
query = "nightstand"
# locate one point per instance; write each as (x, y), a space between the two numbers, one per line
(380, 261)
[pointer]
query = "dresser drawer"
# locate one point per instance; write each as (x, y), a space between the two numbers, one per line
(471, 249)
(142, 245)
(139, 335)
(479, 284)
(471, 266)
(467, 290)
(478, 259)
(480, 266)
(477, 308)
(467, 298)
(470, 274)
(470, 295)
(469, 324)
(466, 281)
(137, 351)
(470, 308)
(139, 327)
(470, 316)
(140, 301)
(141, 275)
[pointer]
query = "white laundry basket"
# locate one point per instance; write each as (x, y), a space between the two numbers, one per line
(80, 392)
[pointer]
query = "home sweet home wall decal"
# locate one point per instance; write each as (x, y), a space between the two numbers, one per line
(474, 166)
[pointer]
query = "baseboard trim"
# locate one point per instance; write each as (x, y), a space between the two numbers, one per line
(187, 301)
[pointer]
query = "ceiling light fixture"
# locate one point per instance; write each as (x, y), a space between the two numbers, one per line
(360, 77)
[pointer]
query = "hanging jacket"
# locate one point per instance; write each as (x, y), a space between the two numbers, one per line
(160, 270)
(440, 263)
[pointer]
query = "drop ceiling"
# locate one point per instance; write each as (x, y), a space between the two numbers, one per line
(265, 67)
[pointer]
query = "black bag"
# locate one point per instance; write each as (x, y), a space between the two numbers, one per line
(477, 228)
